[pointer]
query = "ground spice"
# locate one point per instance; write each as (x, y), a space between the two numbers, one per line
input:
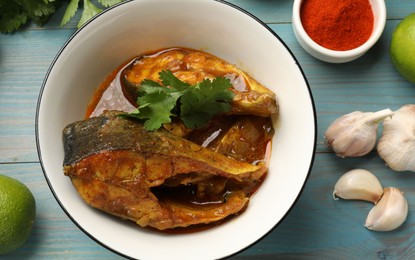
(337, 24)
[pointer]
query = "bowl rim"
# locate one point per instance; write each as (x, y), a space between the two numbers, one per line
(245, 12)
(379, 26)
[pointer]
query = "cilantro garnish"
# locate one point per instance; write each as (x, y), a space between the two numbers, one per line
(195, 104)
(15, 13)
(89, 10)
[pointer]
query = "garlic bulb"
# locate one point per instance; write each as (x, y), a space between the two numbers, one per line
(358, 184)
(397, 143)
(355, 134)
(390, 212)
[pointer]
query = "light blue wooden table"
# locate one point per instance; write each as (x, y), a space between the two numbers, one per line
(316, 228)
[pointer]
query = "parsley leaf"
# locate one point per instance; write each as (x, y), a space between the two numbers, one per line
(194, 104)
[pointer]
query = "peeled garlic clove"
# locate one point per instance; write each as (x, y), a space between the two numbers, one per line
(355, 134)
(397, 143)
(358, 184)
(390, 212)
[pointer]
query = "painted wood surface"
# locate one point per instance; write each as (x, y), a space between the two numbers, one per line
(318, 227)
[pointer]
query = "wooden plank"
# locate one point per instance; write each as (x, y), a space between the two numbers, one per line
(399, 9)
(369, 83)
(54, 236)
(323, 228)
(268, 11)
(317, 226)
(25, 59)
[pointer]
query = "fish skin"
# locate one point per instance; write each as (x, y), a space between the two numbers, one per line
(113, 162)
(113, 132)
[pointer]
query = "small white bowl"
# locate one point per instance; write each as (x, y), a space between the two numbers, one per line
(134, 27)
(324, 54)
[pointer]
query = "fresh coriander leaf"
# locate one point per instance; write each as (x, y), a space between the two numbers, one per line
(155, 109)
(169, 80)
(108, 3)
(70, 11)
(89, 11)
(156, 104)
(41, 20)
(196, 119)
(12, 16)
(12, 23)
(37, 8)
(149, 86)
(195, 105)
(205, 100)
(15, 13)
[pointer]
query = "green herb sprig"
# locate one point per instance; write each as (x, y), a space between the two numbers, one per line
(195, 104)
(16, 13)
(89, 10)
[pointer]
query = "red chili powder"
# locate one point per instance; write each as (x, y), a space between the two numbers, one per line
(337, 24)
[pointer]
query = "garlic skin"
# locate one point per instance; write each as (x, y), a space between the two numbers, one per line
(358, 184)
(397, 143)
(390, 212)
(355, 134)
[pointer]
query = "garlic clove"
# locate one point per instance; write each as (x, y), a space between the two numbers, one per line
(390, 212)
(355, 134)
(358, 184)
(397, 143)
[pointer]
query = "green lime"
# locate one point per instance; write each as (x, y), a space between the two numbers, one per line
(17, 213)
(402, 49)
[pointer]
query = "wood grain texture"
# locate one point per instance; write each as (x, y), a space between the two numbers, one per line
(317, 227)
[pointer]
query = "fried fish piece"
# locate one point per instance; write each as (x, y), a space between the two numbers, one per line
(193, 66)
(119, 167)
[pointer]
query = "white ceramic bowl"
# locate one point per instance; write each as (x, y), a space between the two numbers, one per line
(324, 54)
(222, 29)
